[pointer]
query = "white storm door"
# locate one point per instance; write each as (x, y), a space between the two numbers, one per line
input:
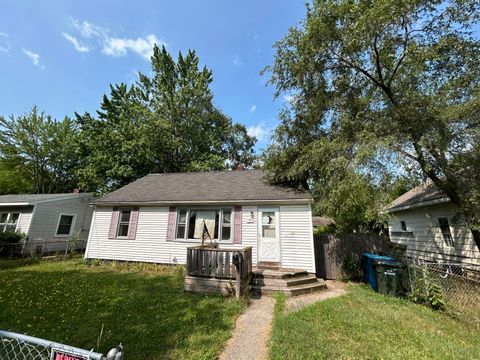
(268, 235)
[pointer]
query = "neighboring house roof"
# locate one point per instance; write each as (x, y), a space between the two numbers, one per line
(32, 199)
(322, 221)
(422, 195)
(199, 187)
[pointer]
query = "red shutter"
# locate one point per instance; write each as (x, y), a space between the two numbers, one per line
(132, 230)
(237, 225)
(113, 223)
(172, 222)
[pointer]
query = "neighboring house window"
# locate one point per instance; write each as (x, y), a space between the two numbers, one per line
(65, 224)
(446, 233)
(209, 224)
(8, 221)
(124, 223)
(403, 225)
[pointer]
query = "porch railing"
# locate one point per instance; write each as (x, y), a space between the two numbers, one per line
(219, 263)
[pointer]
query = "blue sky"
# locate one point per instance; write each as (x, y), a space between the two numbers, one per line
(62, 55)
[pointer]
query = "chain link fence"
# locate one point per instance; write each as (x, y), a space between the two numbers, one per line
(15, 346)
(458, 286)
(42, 247)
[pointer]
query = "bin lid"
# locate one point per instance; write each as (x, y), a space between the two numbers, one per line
(377, 257)
(391, 263)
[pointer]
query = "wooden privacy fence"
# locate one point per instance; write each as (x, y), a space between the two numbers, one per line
(333, 250)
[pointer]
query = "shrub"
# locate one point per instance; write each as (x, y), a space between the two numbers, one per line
(425, 289)
(10, 243)
(351, 269)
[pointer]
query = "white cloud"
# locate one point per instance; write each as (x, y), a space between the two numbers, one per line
(4, 43)
(260, 131)
(112, 45)
(34, 57)
(253, 108)
(77, 44)
(288, 98)
(237, 61)
(141, 46)
(88, 30)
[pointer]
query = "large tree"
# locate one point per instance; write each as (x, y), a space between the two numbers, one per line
(385, 77)
(165, 122)
(40, 152)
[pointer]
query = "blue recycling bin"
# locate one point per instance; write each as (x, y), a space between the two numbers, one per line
(369, 271)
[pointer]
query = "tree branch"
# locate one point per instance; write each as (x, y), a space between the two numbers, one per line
(404, 52)
(386, 90)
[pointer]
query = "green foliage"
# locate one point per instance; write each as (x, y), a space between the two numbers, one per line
(351, 269)
(41, 152)
(149, 313)
(384, 88)
(11, 237)
(325, 229)
(165, 122)
(425, 289)
(10, 243)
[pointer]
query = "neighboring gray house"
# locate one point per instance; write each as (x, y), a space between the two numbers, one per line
(51, 218)
(424, 220)
(156, 218)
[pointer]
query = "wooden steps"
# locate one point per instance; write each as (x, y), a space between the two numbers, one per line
(291, 282)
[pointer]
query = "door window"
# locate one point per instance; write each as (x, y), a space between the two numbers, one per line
(268, 224)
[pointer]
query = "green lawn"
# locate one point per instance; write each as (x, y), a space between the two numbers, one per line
(366, 325)
(149, 313)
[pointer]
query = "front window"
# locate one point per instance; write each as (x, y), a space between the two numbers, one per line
(124, 223)
(207, 224)
(65, 224)
(8, 221)
(403, 225)
(446, 233)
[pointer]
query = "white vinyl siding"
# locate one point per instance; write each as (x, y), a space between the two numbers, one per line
(151, 244)
(425, 240)
(296, 236)
(23, 222)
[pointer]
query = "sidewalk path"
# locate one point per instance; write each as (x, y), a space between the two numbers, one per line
(252, 330)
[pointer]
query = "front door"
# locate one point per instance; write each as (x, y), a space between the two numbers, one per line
(268, 235)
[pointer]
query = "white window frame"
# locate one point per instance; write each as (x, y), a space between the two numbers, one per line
(120, 220)
(219, 225)
(403, 222)
(9, 215)
(71, 228)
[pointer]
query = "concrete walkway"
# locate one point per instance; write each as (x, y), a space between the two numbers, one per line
(334, 289)
(252, 331)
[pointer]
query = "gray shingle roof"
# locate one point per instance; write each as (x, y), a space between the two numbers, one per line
(246, 185)
(419, 195)
(35, 198)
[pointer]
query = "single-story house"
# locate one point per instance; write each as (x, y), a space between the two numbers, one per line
(424, 219)
(156, 218)
(47, 220)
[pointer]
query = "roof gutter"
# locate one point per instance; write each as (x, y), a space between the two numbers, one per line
(417, 205)
(17, 204)
(209, 202)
